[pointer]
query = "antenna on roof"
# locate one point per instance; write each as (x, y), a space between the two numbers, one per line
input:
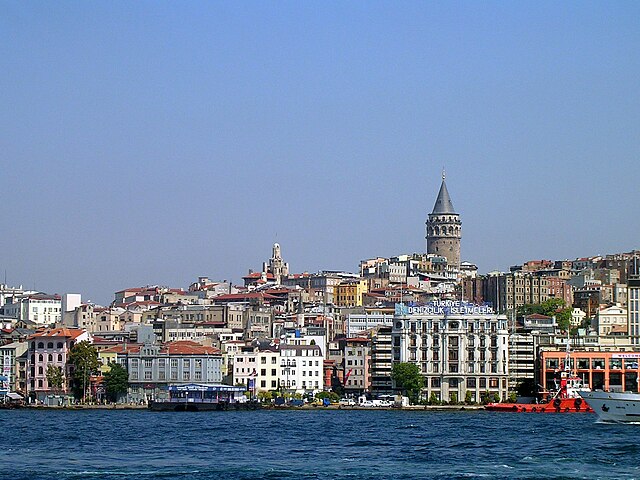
(444, 174)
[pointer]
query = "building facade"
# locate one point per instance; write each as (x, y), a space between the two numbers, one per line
(50, 347)
(459, 348)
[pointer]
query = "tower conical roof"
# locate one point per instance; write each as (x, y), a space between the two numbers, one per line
(443, 202)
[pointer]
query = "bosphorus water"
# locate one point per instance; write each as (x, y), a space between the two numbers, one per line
(312, 444)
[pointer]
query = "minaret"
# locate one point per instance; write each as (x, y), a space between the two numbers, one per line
(444, 229)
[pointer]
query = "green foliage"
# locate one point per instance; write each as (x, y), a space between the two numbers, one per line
(116, 381)
(512, 397)
(433, 399)
(84, 360)
(55, 377)
(267, 396)
(454, 398)
(467, 397)
(552, 307)
(408, 378)
(332, 396)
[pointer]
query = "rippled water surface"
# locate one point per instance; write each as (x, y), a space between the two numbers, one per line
(309, 444)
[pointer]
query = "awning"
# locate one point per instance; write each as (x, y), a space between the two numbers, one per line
(14, 396)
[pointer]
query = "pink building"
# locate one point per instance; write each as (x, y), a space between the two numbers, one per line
(50, 347)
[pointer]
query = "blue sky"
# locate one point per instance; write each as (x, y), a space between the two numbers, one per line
(153, 142)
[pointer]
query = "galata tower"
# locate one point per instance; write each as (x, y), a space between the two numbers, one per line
(444, 229)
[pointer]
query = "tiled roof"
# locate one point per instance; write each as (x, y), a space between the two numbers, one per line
(186, 347)
(123, 348)
(59, 332)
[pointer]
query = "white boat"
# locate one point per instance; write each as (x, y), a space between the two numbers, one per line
(615, 407)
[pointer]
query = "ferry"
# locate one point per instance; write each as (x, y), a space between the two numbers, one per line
(614, 407)
(195, 397)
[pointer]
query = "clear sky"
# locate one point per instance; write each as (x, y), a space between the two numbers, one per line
(153, 142)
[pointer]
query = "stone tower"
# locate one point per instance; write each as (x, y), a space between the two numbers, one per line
(444, 229)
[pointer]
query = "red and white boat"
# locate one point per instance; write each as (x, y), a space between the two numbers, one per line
(564, 399)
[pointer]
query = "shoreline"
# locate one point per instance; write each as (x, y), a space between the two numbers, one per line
(412, 408)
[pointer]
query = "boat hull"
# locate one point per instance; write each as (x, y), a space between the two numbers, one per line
(558, 405)
(612, 407)
(170, 406)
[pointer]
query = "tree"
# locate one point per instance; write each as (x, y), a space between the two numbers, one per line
(55, 377)
(116, 381)
(84, 360)
(408, 378)
(550, 308)
(467, 397)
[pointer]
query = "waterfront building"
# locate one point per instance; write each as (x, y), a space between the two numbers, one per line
(50, 347)
(381, 361)
(459, 348)
(15, 379)
(357, 365)
(444, 228)
(302, 368)
(153, 367)
(257, 368)
(602, 370)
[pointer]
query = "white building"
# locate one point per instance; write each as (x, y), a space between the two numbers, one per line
(360, 322)
(257, 370)
(577, 317)
(458, 346)
(302, 368)
(38, 308)
(610, 320)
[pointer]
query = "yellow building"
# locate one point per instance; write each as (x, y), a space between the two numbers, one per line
(349, 293)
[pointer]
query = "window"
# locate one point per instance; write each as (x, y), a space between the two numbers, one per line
(263, 360)
(161, 375)
(198, 375)
(147, 375)
(60, 345)
(50, 345)
(60, 357)
(174, 362)
(147, 363)
(186, 375)
(40, 344)
(198, 363)
(263, 372)
(49, 358)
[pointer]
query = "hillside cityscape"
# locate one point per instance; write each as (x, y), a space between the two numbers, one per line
(474, 337)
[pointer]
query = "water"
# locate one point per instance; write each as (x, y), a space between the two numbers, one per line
(312, 444)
